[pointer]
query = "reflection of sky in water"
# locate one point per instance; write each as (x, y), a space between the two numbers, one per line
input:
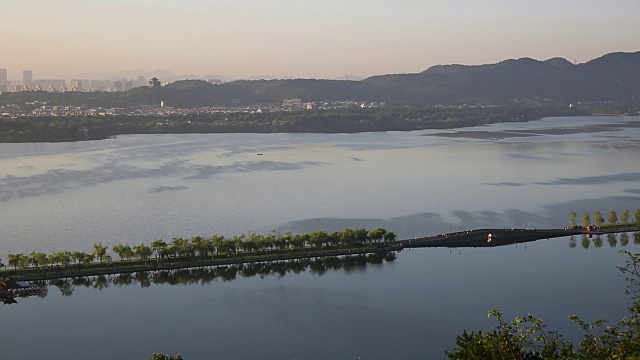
(161, 186)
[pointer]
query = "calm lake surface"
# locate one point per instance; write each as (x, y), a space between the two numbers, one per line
(133, 189)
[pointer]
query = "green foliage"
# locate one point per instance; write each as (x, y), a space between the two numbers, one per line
(624, 217)
(38, 259)
(527, 337)
(142, 251)
(15, 260)
(390, 236)
(523, 338)
(597, 217)
(200, 248)
(86, 259)
(613, 217)
(159, 246)
(573, 218)
(586, 221)
(99, 251)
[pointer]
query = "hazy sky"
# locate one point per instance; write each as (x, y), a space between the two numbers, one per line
(304, 38)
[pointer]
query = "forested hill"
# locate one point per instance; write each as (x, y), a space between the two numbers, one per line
(612, 77)
(609, 78)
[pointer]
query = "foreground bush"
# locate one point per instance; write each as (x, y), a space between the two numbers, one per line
(527, 337)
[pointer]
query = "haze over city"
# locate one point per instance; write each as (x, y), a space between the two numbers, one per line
(312, 39)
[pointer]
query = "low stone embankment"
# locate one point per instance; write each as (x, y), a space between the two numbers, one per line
(500, 237)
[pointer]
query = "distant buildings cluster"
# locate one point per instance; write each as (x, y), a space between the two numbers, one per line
(28, 83)
(43, 109)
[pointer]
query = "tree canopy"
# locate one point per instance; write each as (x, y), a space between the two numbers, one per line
(528, 338)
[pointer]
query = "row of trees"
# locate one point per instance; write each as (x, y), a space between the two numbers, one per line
(36, 259)
(598, 218)
(200, 247)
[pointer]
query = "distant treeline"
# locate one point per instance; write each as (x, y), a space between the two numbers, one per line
(612, 218)
(340, 120)
(200, 248)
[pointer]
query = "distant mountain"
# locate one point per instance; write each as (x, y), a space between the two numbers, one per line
(612, 77)
(559, 62)
(247, 92)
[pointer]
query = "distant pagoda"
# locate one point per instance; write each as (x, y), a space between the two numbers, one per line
(155, 83)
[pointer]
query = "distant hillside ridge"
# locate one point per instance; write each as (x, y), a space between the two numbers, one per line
(612, 77)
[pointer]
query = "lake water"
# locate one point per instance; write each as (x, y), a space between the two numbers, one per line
(137, 188)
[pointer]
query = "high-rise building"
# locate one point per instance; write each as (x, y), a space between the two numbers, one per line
(85, 84)
(27, 78)
(14, 86)
(128, 85)
(3, 80)
(76, 85)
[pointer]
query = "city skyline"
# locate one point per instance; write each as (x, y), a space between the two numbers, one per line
(283, 38)
(29, 82)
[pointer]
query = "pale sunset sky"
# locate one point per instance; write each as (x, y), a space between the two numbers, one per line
(307, 39)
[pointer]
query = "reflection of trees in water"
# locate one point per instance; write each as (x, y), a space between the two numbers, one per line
(207, 275)
(100, 282)
(624, 239)
(597, 241)
(65, 286)
(585, 242)
(81, 281)
(612, 240)
(142, 278)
